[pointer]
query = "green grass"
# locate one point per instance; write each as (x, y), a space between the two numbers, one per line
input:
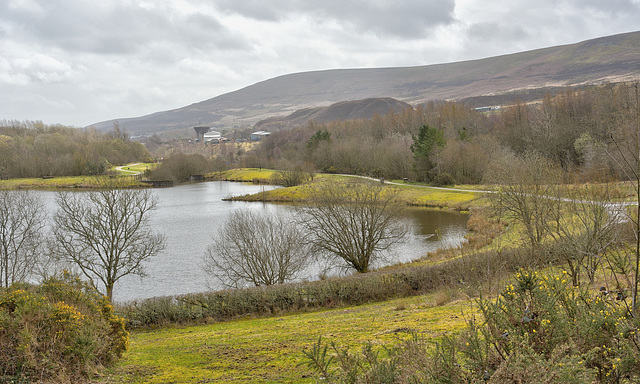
(64, 182)
(134, 168)
(270, 349)
(410, 194)
(244, 174)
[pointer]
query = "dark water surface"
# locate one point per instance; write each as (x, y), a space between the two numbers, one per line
(190, 215)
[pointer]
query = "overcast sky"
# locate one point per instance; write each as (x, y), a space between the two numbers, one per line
(78, 62)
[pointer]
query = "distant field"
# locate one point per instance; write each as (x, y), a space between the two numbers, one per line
(80, 182)
(270, 349)
(63, 182)
(245, 174)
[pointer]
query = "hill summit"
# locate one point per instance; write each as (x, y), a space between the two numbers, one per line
(603, 60)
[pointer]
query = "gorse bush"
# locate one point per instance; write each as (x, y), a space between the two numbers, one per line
(539, 329)
(58, 331)
(543, 326)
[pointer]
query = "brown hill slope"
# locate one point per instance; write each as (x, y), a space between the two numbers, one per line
(344, 110)
(606, 59)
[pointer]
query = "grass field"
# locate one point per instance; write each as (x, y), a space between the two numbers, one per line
(269, 350)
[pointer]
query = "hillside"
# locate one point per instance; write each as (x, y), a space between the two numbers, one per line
(607, 59)
(344, 110)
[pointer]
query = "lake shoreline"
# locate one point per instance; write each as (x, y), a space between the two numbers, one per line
(191, 214)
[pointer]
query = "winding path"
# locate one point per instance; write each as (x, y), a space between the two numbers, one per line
(617, 211)
(420, 186)
(120, 169)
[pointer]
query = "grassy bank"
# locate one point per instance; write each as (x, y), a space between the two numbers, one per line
(67, 182)
(250, 175)
(122, 174)
(252, 350)
(410, 194)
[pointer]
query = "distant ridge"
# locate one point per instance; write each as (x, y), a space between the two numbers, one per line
(603, 60)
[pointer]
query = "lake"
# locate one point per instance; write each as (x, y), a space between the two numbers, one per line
(190, 215)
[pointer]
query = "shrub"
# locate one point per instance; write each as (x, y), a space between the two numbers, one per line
(539, 329)
(59, 331)
(291, 177)
(443, 179)
(567, 332)
(179, 167)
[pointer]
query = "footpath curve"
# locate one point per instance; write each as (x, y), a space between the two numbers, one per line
(120, 169)
(617, 211)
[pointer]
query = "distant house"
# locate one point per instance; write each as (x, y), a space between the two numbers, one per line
(257, 136)
(212, 137)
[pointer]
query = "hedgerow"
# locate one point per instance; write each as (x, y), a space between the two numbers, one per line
(463, 273)
(61, 331)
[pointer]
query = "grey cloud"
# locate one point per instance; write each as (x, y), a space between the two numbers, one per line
(494, 32)
(115, 28)
(609, 7)
(409, 19)
(255, 9)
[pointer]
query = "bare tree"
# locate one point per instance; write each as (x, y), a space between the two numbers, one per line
(256, 249)
(353, 222)
(291, 177)
(587, 228)
(625, 152)
(22, 222)
(106, 233)
(526, 195)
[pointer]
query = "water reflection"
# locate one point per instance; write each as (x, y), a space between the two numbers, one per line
(431, 229)
(190, 215)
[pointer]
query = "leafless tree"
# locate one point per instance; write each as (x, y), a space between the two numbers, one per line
(256, 249)
(625, 152)
(587, 227)
(291, 177)
(106, 233)
(22, 222)
(525, 197)
(353, 222)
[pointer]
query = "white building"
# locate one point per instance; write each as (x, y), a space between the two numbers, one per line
(257, 136)
(212, 136)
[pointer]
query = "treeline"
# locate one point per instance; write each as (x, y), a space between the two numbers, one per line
(33, 149)
(179, 166)
(573, 129)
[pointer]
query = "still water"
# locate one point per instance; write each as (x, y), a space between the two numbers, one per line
(190, 215)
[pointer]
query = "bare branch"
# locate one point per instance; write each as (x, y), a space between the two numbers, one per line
(106, 233)
(255, 249)
(22, 221)
(353, 222)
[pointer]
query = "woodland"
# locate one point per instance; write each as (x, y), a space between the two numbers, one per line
(573, 129)
(447, 142)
